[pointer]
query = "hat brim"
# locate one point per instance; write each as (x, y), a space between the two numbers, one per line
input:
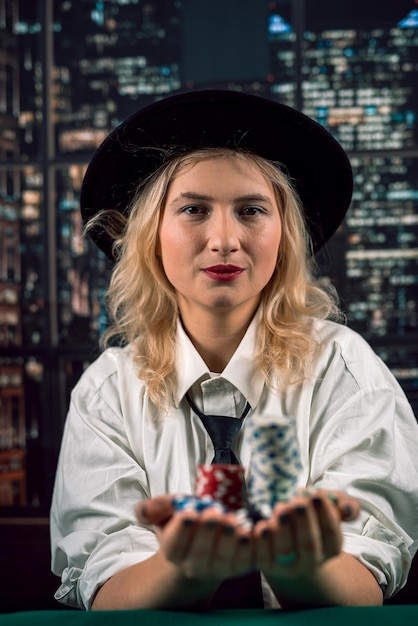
(316, 163)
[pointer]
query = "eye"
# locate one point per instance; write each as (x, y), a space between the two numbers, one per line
(194, 209)
(252, 211)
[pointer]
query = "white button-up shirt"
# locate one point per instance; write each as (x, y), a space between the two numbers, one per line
(355, 428)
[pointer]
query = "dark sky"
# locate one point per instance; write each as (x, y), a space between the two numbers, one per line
(225, 38)
(357, 13)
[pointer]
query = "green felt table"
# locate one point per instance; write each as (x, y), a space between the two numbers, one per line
(399, 615)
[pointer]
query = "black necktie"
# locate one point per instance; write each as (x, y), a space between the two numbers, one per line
(240, 592)
(222, 431)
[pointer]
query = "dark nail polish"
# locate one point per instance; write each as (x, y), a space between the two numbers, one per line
(301, 510)
(211, 523)
(228, 530)
(284, 518)
(348, 511)
(187, 522)
(317, 501)
(266, 533)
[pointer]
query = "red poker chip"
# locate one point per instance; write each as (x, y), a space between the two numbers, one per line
(223, 483)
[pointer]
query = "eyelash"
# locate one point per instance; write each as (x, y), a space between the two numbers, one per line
(188, 210)
(259, 209)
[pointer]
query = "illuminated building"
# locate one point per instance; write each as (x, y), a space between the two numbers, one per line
(71, 70)
(361, 84)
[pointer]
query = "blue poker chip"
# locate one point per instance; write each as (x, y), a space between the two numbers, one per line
(195, 503)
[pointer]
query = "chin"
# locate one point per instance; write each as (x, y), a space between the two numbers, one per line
(223, 304)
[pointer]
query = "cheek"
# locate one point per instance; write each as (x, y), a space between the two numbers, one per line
(177, 251)
(177, 240)
(266, 257)
(268, 246)
(276, 240)
(168, 240)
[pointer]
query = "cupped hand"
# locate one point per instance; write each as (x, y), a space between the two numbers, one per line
(210, 546)
(303, 533)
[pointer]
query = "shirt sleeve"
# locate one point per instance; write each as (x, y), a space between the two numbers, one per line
(364, 441)
(94, 532)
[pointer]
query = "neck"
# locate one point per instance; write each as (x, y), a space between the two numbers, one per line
(216, 337)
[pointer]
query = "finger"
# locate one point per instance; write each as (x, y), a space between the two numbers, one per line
(348, 507)
(329, 522)
(244, 558)
(223, 559)
(245, 551)
(307, 534)
(209, 526)
(264, 544)
(201, 557)
(285, 555)
(154, 511)
(176, 539)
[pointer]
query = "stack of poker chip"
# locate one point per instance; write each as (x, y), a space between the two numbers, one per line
(223, 483)
(221, 487)
(274, 474)
(275, 463)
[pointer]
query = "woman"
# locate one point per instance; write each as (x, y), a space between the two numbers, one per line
(213, 297)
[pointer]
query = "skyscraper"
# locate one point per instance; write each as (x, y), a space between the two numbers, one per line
(73, 70)
(358, 78)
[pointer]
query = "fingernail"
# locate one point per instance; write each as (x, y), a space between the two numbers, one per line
(348, 511)
(211, 523)
(244, 541)
(187, 522)
(284, 518)
(266, 533)
(317, 501)
(301, 510)
(143, 511)
(228, 530)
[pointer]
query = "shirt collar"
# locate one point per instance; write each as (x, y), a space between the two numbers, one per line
(241, 370)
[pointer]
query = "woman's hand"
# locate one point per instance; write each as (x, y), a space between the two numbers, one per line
(298, 549)
(300, 552)
(303, 534)
(210, 546)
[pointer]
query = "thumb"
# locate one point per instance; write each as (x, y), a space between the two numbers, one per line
(155, 511)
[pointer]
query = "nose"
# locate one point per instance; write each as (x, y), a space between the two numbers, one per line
(223, 233)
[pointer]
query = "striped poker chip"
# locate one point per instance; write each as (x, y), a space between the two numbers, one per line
(193, 503)
(275, 462)
(222, 483)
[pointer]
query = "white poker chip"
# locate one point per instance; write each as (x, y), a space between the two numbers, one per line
(275, 462)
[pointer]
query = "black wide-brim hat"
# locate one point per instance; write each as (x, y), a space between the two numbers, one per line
(315, 162)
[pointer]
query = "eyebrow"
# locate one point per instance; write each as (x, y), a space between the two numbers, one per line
(191, 195)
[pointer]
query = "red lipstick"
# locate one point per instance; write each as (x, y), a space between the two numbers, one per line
(223, 273)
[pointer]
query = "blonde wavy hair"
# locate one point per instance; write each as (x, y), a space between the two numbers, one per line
(142, 303)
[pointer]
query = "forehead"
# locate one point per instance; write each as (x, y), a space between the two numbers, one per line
(221, 170)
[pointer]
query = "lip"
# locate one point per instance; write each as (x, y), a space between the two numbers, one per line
(224, 272)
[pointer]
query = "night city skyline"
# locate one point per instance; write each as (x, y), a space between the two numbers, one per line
(72, 71)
